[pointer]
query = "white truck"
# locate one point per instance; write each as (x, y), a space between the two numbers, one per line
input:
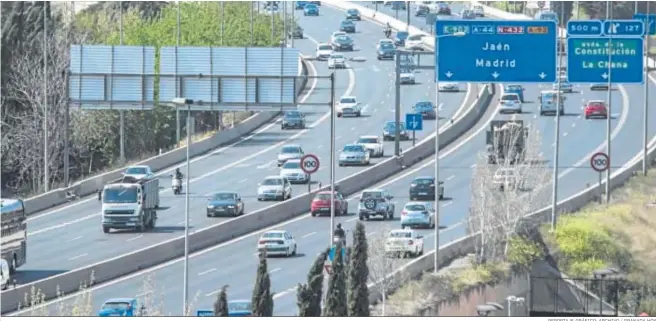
(130, 204)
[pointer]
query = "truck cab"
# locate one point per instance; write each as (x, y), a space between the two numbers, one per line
(120, 307)
(130, 205)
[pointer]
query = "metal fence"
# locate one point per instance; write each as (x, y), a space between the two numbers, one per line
(551, 296)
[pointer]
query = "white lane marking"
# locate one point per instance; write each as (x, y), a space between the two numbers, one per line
(451, 177)
(308, 235)
(283, 293)
(313, 86)
(447, 203)
(274, 270)
(243, 180)
(213, 293)
(49, 228)
(265, 165)
(208, 271)
(371, 233)
(75, 239)
(565, 134)
(77, 257)
(134, 238)
(243, 237)
(473, 166)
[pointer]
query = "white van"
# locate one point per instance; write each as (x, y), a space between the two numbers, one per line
(4, 274)
(414, 42)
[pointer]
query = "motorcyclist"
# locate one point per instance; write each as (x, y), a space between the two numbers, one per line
(177, 174)
(387, 30)
(339, 232)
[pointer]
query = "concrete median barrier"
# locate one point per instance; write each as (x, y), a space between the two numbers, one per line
(91, 185)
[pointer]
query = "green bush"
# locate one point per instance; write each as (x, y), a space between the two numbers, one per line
(522, 252)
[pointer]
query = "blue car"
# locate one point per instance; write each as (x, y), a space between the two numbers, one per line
(515, 89)
(310, 10)
(347, 26)
(390, 129)
(240, 308)
(225, 204)
(119, 307)
(426, 109)
(400, 37)
(300, 5)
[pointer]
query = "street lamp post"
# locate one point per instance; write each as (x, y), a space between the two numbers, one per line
(437, 149)
(183, 102)
(513, 299)
(601, 275)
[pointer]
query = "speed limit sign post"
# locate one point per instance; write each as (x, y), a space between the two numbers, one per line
(310, 164)
(600, 162)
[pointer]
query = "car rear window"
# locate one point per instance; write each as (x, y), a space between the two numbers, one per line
(415, 207)
(223, 197)
(509, 97)
(272, 182)
(423, 181)
(325, 47)
(596, 104)
(403, 235)
(290, 150)
(323, 197)
(136, 170)
(272, 235)
(347, 100)
(353, 148)
(366, 195)
(116, 305)
(368, 141)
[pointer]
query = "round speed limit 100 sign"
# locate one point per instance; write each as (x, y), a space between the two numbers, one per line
(310, 163)
(600, 162)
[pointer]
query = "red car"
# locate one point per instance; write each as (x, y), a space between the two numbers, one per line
(596, 109)
(321, 204)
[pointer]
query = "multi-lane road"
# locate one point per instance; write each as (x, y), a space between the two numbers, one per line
(71, 236)
(234, 262)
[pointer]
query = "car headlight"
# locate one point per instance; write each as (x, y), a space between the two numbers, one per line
(231, 206)
(210, 206)
(134, 219)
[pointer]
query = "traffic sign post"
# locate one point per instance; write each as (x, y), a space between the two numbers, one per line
(649, 20)
(415, 122)
(310, 163)
(587, 60)
(496, 51)
(600, 162)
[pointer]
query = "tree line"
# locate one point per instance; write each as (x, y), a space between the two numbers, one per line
(346, 294)
(93, 135)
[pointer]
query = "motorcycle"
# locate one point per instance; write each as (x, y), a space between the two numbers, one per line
(338, 239)
(176, 185)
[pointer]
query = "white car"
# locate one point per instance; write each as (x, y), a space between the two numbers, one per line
(478, 11)
(349, 106)
(336, 60)
(277, 243)
(449, 87)
(354, 154)
(292, 171)
(404, 242)
(510, 103)
(337, 34)
(407, 76)
(414, 42)
(289, 152)
(274, 188)
(373, 144)
(324, 50)
(139, 172)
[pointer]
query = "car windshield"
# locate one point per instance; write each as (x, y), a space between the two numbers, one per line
(322, 196)
(368, 141)
(402, 35)
(443, 5)
(478, 8)
(239, 306)
(292, 114)
(120, 195)
(347, 23)
(391, 126)
(386, 45)
(336, 56)
(406, 71)
(424, 105)
(367, 195)
(292, 165)
(513, 88)
(415, 207)
(400, 235)
(136, 170)
(423, 181)
(353, 148)
(310, 6)
(272, 235)
(596, 104)
(325, 47)
(343, 39)
(352, 11)
(509, 97)
(347, 101)
(223, 197)
(290, 150)
(272, 182)
(116, 306)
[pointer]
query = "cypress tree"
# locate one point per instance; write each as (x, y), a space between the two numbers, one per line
(221, 303)
(336, 294)
(304, 300)
(262, 299)
(309, 295)
(358, 274)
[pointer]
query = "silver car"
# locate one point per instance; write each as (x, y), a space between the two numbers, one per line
(510, 103)
(288, 152)
(418, 214)
(275, 188)
(292, 171)
(354, 154)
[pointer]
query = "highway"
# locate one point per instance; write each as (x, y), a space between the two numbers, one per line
(71, 236)
(235, 262)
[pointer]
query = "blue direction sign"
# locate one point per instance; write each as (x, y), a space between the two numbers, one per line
(331, 253)
(587, 60)
(496, 51)
(414, 121)
(584, 28)
(204, 313)
(624, 27)
(649, 21)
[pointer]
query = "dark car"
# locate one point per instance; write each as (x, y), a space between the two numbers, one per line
(399, 5)
(353, 14)
(426, 109)
(300, 5)
(296, 32)
(424, 188)
(400, 37)
(347, 26)
(343, 43)
(293, 119)
(225, 204)
(468, 14)
(318, 3)
(310, 10)
(443, 8)
(390, 129)
(386, 51)
(422, 10)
